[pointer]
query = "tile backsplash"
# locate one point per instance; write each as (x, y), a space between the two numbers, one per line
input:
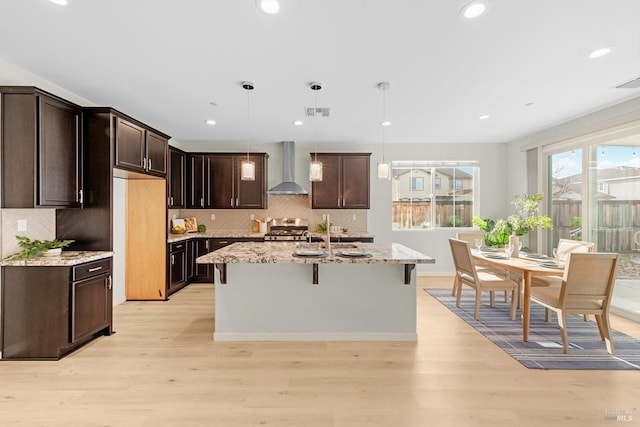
(280, 206)
(41, 225)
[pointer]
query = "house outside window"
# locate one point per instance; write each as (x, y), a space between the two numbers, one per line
(428, 195)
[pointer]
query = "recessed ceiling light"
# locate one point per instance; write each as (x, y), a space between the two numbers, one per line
(210, 122)
(529, 104)
(483, 117)
(60, 2)
(298, 123)
(269, 6)
(474, 9)
(598, 53)
(213, 103)
(386, 123)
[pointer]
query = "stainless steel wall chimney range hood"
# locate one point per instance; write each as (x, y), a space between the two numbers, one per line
(288, 184)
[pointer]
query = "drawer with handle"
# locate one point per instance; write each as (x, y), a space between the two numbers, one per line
(90, 269)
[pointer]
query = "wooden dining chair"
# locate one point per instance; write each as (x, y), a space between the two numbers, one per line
(470, 237)
(587, 285)
(468, 274)
(564, 249)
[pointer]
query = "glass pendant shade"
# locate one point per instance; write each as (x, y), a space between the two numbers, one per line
(248, 170)
(384, 171)
(315, 171)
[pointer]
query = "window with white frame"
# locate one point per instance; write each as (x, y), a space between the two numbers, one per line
(428, 194)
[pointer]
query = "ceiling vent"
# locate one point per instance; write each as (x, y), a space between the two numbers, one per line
(317, 111)
(633, 84)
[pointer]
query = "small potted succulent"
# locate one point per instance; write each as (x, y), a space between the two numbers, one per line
(34, 248)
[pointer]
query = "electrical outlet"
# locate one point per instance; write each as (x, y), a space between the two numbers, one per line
(355, 217)
(213, 217)
(22, 225)
(252, 217)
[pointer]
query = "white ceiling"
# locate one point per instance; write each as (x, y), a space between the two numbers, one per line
(164, 62)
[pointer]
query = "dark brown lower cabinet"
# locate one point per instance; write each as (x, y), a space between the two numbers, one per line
(202, 273)
(197, 247)
(47, 312)
(177, 265)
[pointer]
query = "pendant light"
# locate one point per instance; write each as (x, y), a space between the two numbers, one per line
(247, 166)
(315, 168)
(384, 169)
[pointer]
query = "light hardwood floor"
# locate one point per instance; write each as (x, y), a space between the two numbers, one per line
(162, 368)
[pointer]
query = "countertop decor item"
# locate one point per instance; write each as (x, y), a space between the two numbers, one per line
(33, 248)
(191, 224)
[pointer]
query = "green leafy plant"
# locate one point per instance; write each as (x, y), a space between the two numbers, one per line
(525, 218)
(322, 227)
(33, 248)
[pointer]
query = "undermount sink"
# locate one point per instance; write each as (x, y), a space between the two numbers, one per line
(342, 245)
(322, 246)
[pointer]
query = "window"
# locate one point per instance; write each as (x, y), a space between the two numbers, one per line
(417, 183)
(429, 195)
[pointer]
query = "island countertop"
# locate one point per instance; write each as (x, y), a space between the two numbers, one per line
(285, 253)
(66, 258)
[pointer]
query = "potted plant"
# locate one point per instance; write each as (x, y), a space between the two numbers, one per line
(525, 218)
(33, 248)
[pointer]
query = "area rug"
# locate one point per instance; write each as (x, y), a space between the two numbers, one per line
(544, 349)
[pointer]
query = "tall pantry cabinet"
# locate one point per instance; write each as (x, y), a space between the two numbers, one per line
(144, 204)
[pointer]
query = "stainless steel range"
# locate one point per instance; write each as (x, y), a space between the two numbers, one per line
(288, 229)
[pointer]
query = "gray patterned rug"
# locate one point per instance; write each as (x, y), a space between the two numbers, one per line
(544, 349)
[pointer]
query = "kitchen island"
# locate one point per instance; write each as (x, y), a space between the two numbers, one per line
(287, 291)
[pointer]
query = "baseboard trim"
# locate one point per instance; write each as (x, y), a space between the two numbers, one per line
(315, 336)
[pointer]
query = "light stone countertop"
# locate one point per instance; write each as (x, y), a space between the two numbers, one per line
(67, 258)
(283, 253)
(222, 234)
(231, 234)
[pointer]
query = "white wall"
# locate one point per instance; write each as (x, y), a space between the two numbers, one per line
(119, 242)
(11, 75)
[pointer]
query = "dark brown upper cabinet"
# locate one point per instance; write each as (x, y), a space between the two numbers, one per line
(139, 149)
(345, 181)
(176, 178)
(214, 182)
(197, 185)
(41, 141)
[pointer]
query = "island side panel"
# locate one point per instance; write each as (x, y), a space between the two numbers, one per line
(356, 302)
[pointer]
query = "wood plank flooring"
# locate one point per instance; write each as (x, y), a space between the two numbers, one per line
(162, 368)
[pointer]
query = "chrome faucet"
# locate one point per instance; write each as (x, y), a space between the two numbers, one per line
(328, 237)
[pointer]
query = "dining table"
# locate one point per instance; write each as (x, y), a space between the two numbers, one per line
(526, 266)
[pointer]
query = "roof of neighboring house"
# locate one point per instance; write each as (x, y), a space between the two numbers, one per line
(444, 171)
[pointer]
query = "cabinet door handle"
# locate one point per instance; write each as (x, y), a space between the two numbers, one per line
(172, 260)
(237, 202)
(202, 202)
(149, 164)
(178, 246)
(109, 285)
(171, 200)
(91, 270)
(231, 202)
(80, 197)
(144, 163)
